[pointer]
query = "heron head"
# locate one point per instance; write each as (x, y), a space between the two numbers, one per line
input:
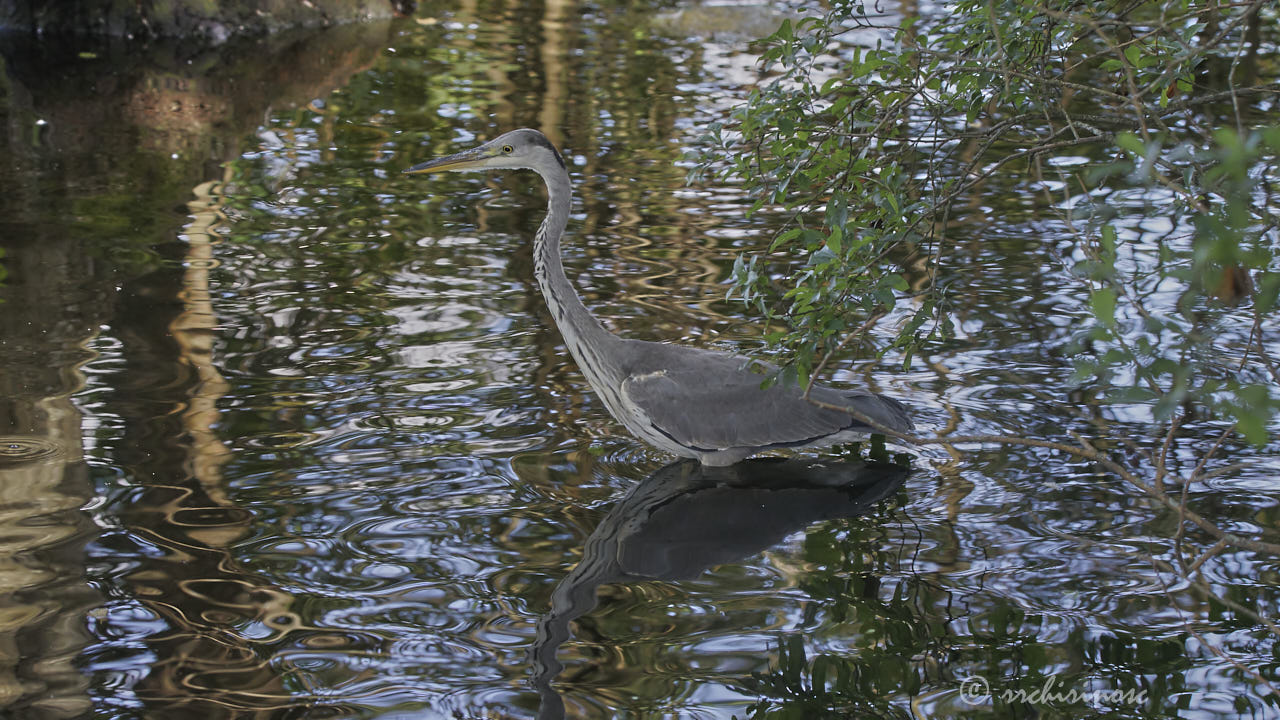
(516, 150)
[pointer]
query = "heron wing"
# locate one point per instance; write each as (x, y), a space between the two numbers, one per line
(713, 401)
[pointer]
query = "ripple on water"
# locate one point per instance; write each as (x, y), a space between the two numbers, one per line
(407, 418)
(382, 571)
(22, 449)
(297, 546)
(393, 535)
(385, 539)
(393, 618)
(334, 641)
(281, 440)
(427, 649)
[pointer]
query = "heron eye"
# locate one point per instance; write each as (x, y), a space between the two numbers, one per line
(507, 149)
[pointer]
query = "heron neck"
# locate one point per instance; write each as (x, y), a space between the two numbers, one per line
(575, 321)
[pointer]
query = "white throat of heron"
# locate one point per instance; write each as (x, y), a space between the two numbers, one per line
(583, 333)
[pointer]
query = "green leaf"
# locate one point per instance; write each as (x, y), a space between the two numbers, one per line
(821, 256)
(784, 238)
(837, 211)
(1133, 54)
(784, 31)
(1102, 302)
(1253, 429)
(833, 241)
(1109, 239)
(1268, 289)
(1131, 143)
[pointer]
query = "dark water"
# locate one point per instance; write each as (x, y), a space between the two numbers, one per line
(286, 434)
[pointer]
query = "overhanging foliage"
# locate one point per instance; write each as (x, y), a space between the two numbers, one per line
(1116, 114)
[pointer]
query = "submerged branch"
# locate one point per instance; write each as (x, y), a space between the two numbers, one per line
(1084, 451)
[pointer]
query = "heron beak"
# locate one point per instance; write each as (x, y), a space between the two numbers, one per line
(465, 160)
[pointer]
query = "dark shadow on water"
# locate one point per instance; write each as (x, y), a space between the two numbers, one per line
(686, 518)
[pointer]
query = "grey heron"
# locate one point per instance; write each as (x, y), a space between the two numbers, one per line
(690, 402)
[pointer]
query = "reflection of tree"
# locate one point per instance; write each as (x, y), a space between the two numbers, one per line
(194, 21)
(891, 641)
(124, 133)
(180, 522)
(51, 309)
(123, 136)
(686, 518)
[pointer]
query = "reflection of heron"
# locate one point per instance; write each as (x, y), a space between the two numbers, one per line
(685, 518)
(694, 403)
